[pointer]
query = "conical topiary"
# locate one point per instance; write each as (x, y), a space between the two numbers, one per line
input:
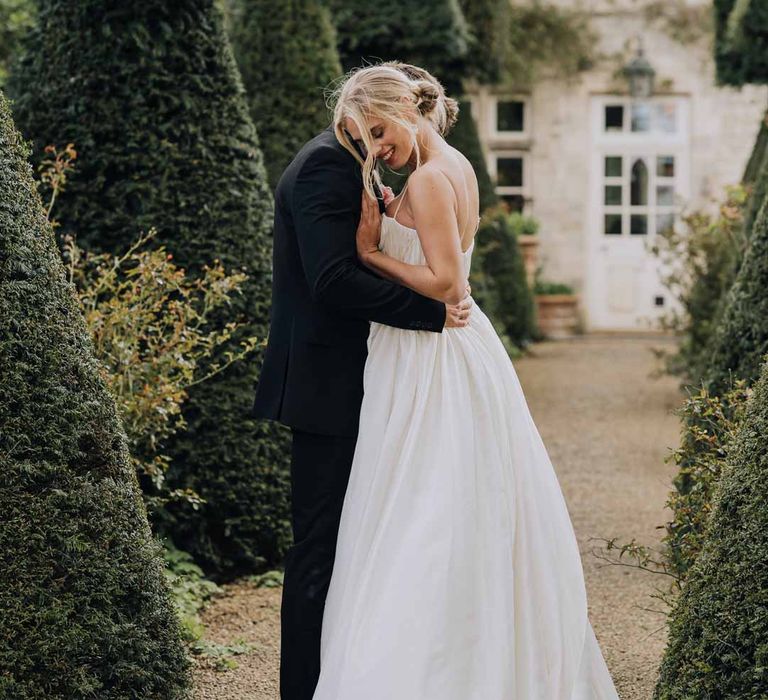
(432, 34)
(737, 346)
(718, 644)
(151, 97)
(287, 56)
(84, 605)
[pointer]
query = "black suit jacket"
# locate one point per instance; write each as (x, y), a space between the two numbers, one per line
(323, 298)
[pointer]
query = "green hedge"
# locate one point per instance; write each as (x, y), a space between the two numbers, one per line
(465, 138)
(718, 644)
(150, 95)
(489, 39)
(498, 279)
(432, 34)
(84, 605)
(739, 342)
(286, 52)
(741, 41)
(757, 158)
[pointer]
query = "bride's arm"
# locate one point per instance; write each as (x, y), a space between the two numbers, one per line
(432, 203)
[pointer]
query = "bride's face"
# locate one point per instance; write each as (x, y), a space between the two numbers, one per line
(391, 142)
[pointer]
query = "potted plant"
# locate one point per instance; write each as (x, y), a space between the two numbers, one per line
(526, 228)
(557, 309)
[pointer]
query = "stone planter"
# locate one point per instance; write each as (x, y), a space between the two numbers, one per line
(529, 247)
(558, 315)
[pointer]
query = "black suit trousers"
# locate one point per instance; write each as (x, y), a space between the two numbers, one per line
(320, 467)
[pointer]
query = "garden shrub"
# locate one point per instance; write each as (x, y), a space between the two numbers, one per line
(718, 630)
(84, 604)
(489, 39)
(432, 34)
(740, 340)
(286, 52)
(741, 41)
(758, 155)
(700, 263)
(709, 425)
(498, 280)
(150, 95)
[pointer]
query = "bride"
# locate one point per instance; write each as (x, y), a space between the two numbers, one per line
(457, 574)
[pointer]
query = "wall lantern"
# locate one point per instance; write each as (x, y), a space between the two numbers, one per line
(640, 75)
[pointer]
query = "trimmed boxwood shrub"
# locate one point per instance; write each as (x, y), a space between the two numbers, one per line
(432, 34)
(739, 342)
(499, 284)
(286, 52)
(741, 41)
(489, 39)
(84, 604)
(756, 161)
(151, 97)
(718, 644)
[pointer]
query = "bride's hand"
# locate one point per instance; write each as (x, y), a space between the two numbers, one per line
(369, 228)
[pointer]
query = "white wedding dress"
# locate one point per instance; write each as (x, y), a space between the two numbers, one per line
(457, 573)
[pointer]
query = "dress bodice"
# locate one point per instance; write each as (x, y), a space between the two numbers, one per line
(402, 242)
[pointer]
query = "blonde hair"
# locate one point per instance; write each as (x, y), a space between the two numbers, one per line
(389, 91)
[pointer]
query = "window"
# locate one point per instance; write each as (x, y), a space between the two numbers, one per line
(644, 117)
(639, 194)
(511, 185)
(510, 116)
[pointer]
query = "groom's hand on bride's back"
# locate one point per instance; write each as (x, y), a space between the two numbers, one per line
(457, 315)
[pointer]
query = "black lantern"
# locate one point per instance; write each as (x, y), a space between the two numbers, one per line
(640, 74)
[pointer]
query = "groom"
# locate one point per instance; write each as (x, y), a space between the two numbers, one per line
(312, 377)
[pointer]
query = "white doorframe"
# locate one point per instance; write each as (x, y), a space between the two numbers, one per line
(623, 287)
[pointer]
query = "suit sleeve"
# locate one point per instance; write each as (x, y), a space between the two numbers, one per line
(326, 211)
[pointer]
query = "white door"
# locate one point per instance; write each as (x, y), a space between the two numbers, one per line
(639, 176)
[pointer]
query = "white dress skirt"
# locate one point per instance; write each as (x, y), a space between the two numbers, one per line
(457, 573)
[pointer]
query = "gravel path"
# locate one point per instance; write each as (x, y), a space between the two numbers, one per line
(607, 426)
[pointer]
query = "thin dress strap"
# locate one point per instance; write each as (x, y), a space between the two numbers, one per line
(402, 196)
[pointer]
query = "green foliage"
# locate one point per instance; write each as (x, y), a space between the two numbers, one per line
(757, 159)
(190, 591)
(149, 324)
(718, 631)
(286, 53)
(757, 187)
(700, 263)
(545, 288)
(498, 280)
(464, 138)
(489, 33)
(16, 18)
(709, 426)
(150, 95)
(740, 340)
(545, 38)
(432, 34)
(85, 606)
(741, 41)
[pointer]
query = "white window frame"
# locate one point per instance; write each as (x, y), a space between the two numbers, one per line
(523, 190)
(493, 117)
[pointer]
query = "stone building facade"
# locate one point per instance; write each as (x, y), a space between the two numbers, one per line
(603, 171)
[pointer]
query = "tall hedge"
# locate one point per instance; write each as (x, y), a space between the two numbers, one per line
(286, 52)
(150, 95)
(718, 644)
(432, 34)
(741, 339)
(489, 39)
(84, 606)
(758, 155)
(741, 41)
